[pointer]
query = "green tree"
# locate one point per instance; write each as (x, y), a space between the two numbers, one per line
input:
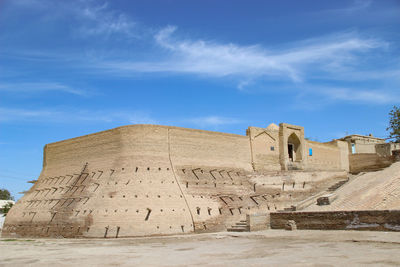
(394, 124)
(7, 207)
(5, 195)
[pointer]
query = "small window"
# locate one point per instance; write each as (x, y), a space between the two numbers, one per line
(310, 152)
(272, 148)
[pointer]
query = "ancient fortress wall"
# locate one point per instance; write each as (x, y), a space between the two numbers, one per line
(205, 148)
(114, 183)
(143, 180)
(121, 182)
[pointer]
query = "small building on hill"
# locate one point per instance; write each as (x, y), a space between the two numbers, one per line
(362, 143)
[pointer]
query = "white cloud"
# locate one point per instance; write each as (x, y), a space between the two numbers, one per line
(348, 94)
(345, 56)
(122, 117)
(12, 114)
(141, 118)
(327, 54)
(339, 56)
(75, 116)
(101, 20)
(365, 96)
(90, 18)
(35, 87)
(212, 121)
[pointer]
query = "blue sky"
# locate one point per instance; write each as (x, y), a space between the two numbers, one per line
(69, 68)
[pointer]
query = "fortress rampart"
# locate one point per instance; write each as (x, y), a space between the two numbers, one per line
(142, 180)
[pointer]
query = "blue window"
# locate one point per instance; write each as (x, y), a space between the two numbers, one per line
(353, 148)
(310, 152)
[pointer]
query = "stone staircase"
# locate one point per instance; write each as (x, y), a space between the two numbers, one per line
(240, 226)
(294, 166)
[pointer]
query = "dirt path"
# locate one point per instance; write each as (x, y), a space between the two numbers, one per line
(273, 247)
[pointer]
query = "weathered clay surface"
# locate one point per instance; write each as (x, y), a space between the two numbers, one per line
(143, 180)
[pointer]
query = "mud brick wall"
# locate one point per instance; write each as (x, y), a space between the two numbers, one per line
(368, 162)
(129, 181)
(143, 180)
(327, 156)
(372, 220)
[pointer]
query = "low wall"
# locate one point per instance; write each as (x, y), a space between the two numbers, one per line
(368, 162)
(258, 222)
(372, 220)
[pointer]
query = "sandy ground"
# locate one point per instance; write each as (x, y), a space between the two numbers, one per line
(272, 247)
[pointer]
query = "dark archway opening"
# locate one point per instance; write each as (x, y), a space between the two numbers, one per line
(294, 148)
(290, 151)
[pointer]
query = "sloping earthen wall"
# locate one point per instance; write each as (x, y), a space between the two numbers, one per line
(122, 182)
(114, 183)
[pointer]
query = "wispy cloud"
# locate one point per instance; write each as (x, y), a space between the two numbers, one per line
(343, 56)
(103, 21)
(364, 96)
(37, 87)
(355, 6)
(330, 95)
(327, 53)
(92, 18)
(140, 118)
(212, 121)
(70, 115)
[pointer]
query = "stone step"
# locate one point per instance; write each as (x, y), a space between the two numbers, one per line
(237, 230)
(238, 226)
(337, 185)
